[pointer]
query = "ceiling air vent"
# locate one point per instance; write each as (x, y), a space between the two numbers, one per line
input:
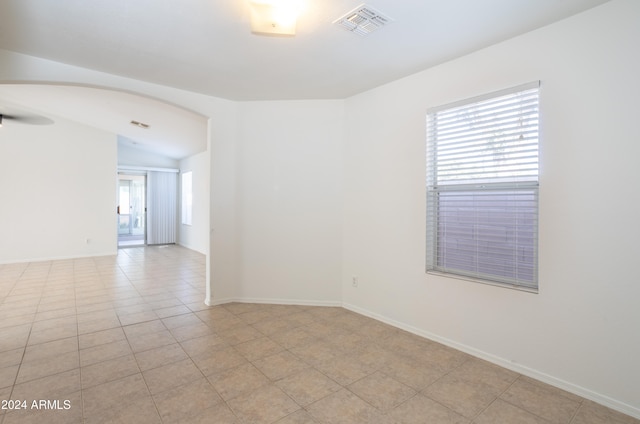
(363, 20)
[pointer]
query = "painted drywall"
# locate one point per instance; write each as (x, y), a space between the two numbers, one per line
(290, 200)
(130, 156)
(58, 191)
(196, 235)
(581, 331)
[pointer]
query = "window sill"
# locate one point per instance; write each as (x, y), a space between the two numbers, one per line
(485, 282)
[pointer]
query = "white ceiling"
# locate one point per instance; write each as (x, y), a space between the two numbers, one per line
(206, 46)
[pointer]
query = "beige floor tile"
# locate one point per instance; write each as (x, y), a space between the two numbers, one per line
(222, 324)
(238, 381)
(467, 398)
(299, 319)
(550, 403)
(169, 302)
(420, 409)
(264, 405)
(186, 401)
(51, 387)
(57, 333)
(49, 349)
(104, 352)
(91, 307)
(503, 412)
(258, 348)
(274, 325)
(51, 365)
(376, 356)
(325, 312)
(171, 375)
(45, 306)
(137, 317)
(113, 396)
(344, 370)
(108, 313)
(98, 325)
(109, 370)
(298, 417)
(160, 356)
(218, 360)
(256, 316)
(280, 365)
(142, 410)
(308, 386)
(239, 334)
(438, 356)
(11, 357)
(191, 331)
(382, 391)
(592, 413)
(183, 320)
(172, 311)
(218, 414)
(56, 313)
(204, 345)
(344, 407)
(477, 370)
(293, 338)
(54, 323)
(15, 321)
(150, 341)
(315, 353)
(14, 337)
(8, 375)
(411, 373)
(101, 337)
(144, 328)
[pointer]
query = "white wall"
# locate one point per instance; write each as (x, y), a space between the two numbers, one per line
(290, 200)
(581, 331)
(57, 189)
(130, 156)
(196, 235)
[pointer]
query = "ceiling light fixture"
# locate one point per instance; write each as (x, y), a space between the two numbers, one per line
(363, 20)
(274, 17)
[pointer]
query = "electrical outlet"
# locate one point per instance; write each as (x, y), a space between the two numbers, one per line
(354, 281)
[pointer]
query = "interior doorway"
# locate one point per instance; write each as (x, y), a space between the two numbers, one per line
(132, 210)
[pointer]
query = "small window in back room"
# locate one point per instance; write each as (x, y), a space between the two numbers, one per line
(187, 197)
(482, 188)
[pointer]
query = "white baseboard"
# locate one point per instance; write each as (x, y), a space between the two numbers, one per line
(513, 366)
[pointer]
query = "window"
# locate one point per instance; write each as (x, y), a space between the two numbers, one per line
(482, 188)
(187, 197)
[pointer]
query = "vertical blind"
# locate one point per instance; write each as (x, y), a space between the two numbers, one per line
(162, 188)
(482, 187)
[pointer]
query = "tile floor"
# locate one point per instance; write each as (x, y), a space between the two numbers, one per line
(127, 339)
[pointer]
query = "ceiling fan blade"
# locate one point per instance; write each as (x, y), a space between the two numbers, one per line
(28, 119)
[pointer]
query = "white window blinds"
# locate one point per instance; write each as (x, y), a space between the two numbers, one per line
(482, 187)
(162, 188)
